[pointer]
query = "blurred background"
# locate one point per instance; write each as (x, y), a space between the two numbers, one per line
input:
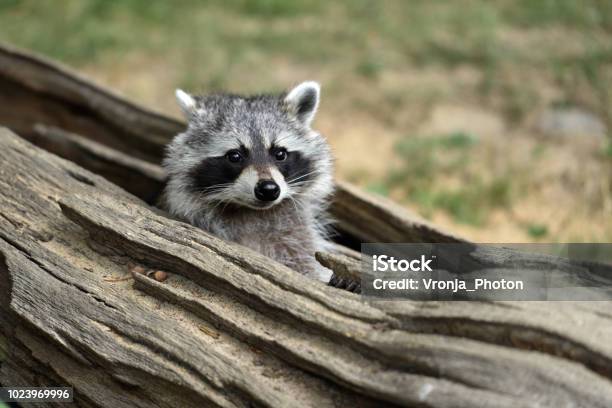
(490, 118)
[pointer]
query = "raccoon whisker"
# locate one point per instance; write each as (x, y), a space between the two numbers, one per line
(209, 195)
(206, 196)
(301, 183)
(217, 199)
(227, 202)
(301, 194)
(300, 207)
(302, 176)
(297, 203)
(216, 187)
(294, 205)
(296, 179)
(218, 204)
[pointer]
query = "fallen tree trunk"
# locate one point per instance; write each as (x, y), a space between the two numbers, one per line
(231, 327)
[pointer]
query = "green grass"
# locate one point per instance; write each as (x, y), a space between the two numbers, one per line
(468, 205)
(427, 161)
(607, 150)
(537, 230)
(371, 36)
(590, 14)
(421, 155)
(369, 68)
(378, 188)
(225, 41)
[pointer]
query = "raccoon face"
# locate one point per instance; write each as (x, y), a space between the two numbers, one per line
(252, 152)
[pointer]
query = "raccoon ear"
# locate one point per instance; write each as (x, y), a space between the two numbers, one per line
(303, 100)
(186, 102)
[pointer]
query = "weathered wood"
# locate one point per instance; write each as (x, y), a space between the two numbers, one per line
(346, 268)
(34, 90)
(139, 177)
(231, 327)
(372, 218)
(540, 331)
(75, 326)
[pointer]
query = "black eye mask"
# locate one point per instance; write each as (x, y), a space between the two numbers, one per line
(212, 173)
(296, 168)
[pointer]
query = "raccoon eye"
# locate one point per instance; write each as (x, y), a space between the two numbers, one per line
(280, 154)
(234, 156)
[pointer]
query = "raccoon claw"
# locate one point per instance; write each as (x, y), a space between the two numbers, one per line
(344, 283)
(354, 287)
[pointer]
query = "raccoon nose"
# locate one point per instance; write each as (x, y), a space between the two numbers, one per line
(267, 190)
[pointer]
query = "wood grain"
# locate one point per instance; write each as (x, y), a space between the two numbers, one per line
(230, 327)
(279, 339)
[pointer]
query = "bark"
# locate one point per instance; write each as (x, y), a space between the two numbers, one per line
(230, 327)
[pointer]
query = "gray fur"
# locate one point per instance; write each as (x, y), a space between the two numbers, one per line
(291, 229)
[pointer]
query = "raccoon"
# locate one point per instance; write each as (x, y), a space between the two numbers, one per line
(250, 169)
